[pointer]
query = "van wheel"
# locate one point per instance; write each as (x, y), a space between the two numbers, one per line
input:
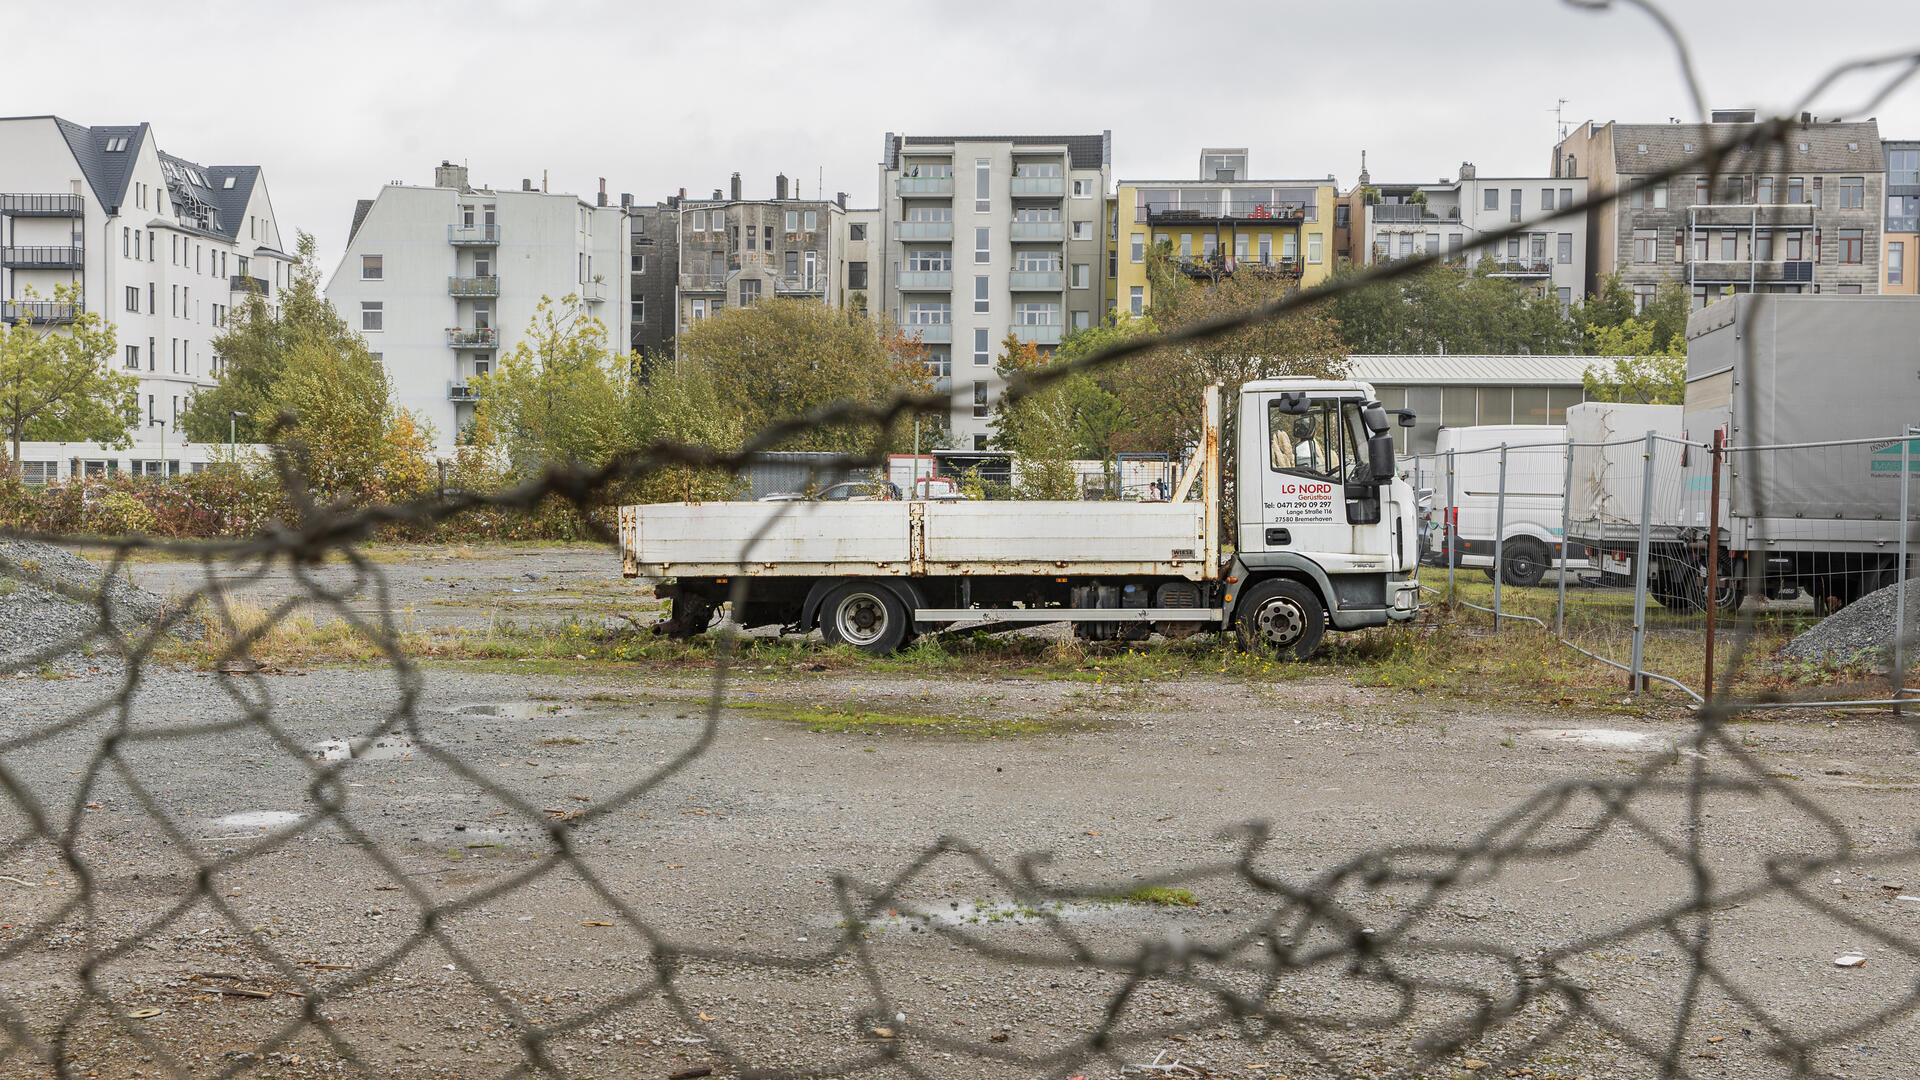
(1524, 562)
(866, 616)
(1281, 617)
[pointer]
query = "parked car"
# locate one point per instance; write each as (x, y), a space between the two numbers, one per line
(848, 491)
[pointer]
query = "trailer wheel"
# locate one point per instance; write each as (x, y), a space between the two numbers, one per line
(689, 617)
(866, 616)
(1282, 617)
(1524, 562)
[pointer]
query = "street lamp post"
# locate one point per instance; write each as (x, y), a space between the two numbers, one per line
(162, 425)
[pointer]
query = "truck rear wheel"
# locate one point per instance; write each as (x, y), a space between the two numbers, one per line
(1282, 617)
(867, 616)
(1525, 562)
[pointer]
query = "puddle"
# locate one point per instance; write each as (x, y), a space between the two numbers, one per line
(384, 748)
(257, 819)
(968, 914)
(517, 710)
(1606, 739)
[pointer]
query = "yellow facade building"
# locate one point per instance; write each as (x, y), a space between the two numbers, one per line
(1217, 226)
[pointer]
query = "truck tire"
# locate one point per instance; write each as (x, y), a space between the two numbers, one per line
(865, 615)
(1282, 617)
(1524, 562)
(689, 617)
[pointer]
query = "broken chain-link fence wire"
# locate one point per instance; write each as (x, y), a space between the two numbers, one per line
(1365, 925)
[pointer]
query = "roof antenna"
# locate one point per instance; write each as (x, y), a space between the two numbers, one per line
(1559, 121)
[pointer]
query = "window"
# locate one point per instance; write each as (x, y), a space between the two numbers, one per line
(1492, 199)
(793, 265)
(749, 291)
(982, 184)
(857, 274)
(133, 298)
(982, 245)
(929, 259)
(1454, 243)
(982, 348)
(856, 230)
(980, 287)
(1763, 245)
(1795, 245)
(1852, 246)
(980, 408)
(373, 316)
(1642, 296)
(1290, 246)
(929, 313)
(1266, 249)
(1660, 197)
(699, 310)
(1083, 189)
(1818, 183)
(1432, 248)
(1702, 193)
(939, 363)
(1082, 275)
(133, 358)
(1404, 245)
(1903, 213)
(1729, 246)
(753, 239)
(1083, 230)
(1315, 247)
(1763, 190)
(1903, 167)
(638, 264)
(1036, 314)
(699, 221)
(372, 268)
(1208, 243)
(117, 145)
(1137, 300)
(1565, 253)
(1853, 193)
(639, 311)
(1646, 245)
(1313, 442)
(810, 221)
(39, 472)
(1565, 297)
(1186, 245)
(1896, 262)
(793, 221)
(1546, 198)
(1137, 251)
(1849, 290)
(1796, 190)
(1082, 320)
(1513, 204)
(1566, 197)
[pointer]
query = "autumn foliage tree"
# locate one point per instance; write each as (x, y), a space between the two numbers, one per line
(59, 384)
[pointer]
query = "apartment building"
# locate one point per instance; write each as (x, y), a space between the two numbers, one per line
(735, 251)
(984, 236)
(1803, 215)
(162, 248)
(861, 246)
(1218, 225)
(442, 280)
(1901, 227)
(1453, 218)
(653, 275)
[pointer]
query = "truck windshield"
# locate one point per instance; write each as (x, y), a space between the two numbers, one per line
(1359, 464)
(1317, 442)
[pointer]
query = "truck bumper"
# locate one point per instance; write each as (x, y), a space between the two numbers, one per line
(1404, 599)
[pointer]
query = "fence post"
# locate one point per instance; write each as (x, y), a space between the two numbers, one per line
(1640, 568)
(1900, 594)
(1566, 526)
(1450, 518)
(1499, 534)
(1713, 560)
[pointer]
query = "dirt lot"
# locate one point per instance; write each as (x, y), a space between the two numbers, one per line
(715, 875)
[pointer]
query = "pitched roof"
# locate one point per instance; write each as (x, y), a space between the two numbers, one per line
(108, 173)
(1083, 151)
(1830, 147)
(360, 209)
(231, 201)
(1470, 370)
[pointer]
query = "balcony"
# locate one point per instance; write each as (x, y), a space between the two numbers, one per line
(1735, 271)
(925, 230)
(247, 283)
(942, 384)
(1037, 187)
(473, 235)
(480, 337)
(1519, 268)
(1039, 230)
(488, 285)
(926, 185)
(1216, 266)
(1037, 333)
(1036, 281)
(925, 281)
(930, 333)
(1230, 213)
(593, 292)
(463, 392)
(38, 257)
(1750, 215)
(39, 312)
(31, 204)
(703, 282)
(1410, 214)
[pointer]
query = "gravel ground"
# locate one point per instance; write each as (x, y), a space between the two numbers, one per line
(1862, 628)
(739, 851)
(48, 607)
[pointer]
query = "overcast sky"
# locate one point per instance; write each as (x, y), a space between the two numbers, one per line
(335, 98)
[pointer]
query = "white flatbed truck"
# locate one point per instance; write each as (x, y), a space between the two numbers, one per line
(1324, 537)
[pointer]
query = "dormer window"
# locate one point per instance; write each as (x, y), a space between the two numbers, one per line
(228, 183)
(117, 145)
(1640, 149)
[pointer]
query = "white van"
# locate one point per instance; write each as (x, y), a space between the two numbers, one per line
(1535, 503)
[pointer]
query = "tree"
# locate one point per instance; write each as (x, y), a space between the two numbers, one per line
(1452, 309)
(561, 397)
(1612, 306)
(254, 349)
(779, 359)
(685, 407)
(1641, 371)
(338, 423)
(61, 386)
(1036, 428)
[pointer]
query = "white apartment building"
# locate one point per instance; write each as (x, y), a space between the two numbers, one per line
(442, 280)
(1453, 217)
(986, 236)
(161, 248)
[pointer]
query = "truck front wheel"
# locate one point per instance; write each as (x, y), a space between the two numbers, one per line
(866, 616)
(1526, 562)
(1282, 617)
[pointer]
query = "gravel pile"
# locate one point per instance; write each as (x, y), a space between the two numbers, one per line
(48, 597)
(1864, 627)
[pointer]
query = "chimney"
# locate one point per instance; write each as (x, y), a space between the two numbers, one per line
(735, 188)
(718, 195)
(449, 175)
(526, 184)
(1467, 171)
(626, 200)
(841, 199)
(603, 191)
(779, 186)
(1733, 116)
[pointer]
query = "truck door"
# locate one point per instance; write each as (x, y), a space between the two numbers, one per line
(1307, 457)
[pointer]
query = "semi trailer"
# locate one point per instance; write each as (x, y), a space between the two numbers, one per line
(1318, 534)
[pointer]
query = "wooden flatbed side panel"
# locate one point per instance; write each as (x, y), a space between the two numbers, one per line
(722, 534)
(987, 534)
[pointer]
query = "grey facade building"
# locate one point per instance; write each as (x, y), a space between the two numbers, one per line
(985, 237)
(653, 272)
(1803, 215)
(735, 251)
(1901, 227)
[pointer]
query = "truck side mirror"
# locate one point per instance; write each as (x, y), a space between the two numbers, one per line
(1406, 417)
(1294, 403)
(1375, 417)
(1380, 453)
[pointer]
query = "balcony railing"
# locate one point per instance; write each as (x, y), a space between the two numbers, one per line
(704, 282)
(482, 337)
(930, 333)
(1164, 213)
(1038, 186)
(1790, 271)
(1218, 265)
(925, 230)
(43, 257)
(1411, 214)
(1037, 333)
(925, 280)
(467, 392)
(1036, 281)
(1519, 268)
(593, 292)
(247, 283)
(473, 235)
(1750, 215)
(801, 286)
(942, 384)
(488, 285)
(1039, 230)
(926, 185)
(39, 312)
(35, 204)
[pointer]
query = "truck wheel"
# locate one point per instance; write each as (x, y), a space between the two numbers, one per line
(866, 616)
(1525, 562)
(1282, 617)
(689, 617)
